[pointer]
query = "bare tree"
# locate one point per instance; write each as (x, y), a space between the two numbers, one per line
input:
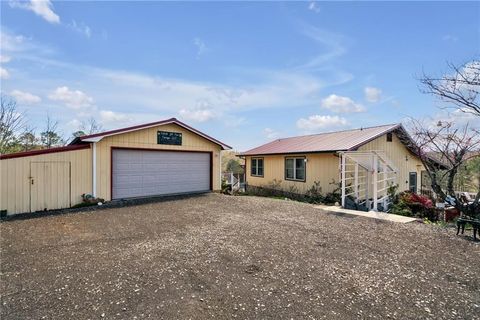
(28, 140)
(91, 126)
(460, 88)
(88, 127)
(443, 149)
(50, 137)
(11, 122)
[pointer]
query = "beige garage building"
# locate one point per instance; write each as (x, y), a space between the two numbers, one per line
(160, 158)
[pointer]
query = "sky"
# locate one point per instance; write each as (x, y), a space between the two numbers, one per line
(243, 72)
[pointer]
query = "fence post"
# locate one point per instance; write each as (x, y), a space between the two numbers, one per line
(343, 180)
(375, 182)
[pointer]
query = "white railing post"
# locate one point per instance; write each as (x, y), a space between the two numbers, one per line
(375, 182)
(343, 180)
(356, 182)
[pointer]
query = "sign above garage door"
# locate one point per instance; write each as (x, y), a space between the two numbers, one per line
(172, 138)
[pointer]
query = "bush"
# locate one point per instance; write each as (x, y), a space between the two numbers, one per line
(401, 208)
(414, 205)
(314, 193)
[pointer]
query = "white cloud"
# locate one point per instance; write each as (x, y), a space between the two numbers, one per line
(201, 47)
(81, 28)
(4, 74)
(372, 94)
(339, 104)
(270, 133)
(25, 97)
(313, 6)
(317, 122)
(42, 8)
(74, 99)
(197, 114)
(449, 37)
(108, 116)
(4, 59)
(331, 43)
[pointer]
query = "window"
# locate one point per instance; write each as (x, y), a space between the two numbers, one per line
(389, 137)
(412, 182)
(257, 167)
(295, 169)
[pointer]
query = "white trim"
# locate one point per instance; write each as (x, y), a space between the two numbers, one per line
(98, 138)
(94, 170)
(221, 168)
(375, 181)
(343, 179)
(95, 139)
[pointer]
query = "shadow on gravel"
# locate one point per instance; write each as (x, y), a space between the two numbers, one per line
(108, 205)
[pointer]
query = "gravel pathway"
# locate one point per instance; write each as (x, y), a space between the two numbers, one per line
(216, 256)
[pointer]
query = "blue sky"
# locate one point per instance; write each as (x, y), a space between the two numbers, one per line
(243, 72)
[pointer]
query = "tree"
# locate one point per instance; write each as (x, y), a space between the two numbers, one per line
(443, 150)
(460, 88)
(11, 121)
(88, 127)
(233, 165)
(91, 126)
(28, 140)
(51, 137)
(447, 143)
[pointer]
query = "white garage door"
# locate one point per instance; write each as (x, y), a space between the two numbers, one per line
(141, 173)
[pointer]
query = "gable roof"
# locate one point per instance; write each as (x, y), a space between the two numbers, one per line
(346, 140)
(99, 136)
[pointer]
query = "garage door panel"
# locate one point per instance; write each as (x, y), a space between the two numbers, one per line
(137, 173)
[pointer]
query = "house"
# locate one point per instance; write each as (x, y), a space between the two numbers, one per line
(364, 162)
(159, 158)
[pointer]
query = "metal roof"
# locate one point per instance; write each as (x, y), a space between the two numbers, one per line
(322, 142)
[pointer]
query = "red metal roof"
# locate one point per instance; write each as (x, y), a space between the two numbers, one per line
(85, 138)
(44, 151)
(323, 142)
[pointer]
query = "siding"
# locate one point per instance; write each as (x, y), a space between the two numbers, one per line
(147, 138)
(404, 160)
(321, 167)
(15, 178)
(324, 167)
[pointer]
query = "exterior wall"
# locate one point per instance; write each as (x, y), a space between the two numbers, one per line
(324, 167)
(15, 178)
(321, 167)
(147, 139)
(402, 158)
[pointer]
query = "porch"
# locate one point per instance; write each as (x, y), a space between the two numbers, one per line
(365, 177)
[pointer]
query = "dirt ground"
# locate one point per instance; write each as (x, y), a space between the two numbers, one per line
(216, 256)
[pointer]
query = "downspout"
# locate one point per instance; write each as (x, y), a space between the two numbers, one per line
(94, 169)
(221, 168)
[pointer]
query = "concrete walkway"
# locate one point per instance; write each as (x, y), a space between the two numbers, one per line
(370, 214)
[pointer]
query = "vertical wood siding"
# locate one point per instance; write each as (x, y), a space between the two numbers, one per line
(147, 138)
(324, 167)
(321, 167)
(404, 160)
(15, 180)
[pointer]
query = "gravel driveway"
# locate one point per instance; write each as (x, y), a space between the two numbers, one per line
(233, 257)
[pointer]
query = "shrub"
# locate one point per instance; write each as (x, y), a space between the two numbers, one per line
(419, 206)
(314, 193)
(401, 208)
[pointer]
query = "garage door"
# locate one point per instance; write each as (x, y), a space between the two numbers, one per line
(142, 173)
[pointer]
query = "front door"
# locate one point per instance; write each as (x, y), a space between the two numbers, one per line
(412, 182)
(49, 185)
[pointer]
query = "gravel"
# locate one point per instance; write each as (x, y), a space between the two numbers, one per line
(216, 256)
